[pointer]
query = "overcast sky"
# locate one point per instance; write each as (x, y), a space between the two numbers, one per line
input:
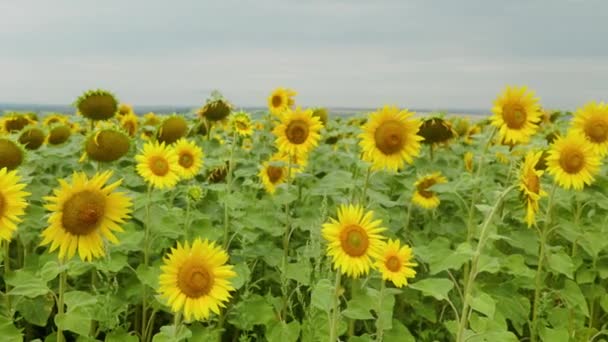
(357, 53)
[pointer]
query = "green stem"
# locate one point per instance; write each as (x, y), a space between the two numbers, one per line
(333, 322)
(187, 218)
(592, 304)
(7, 270)
(406, 226)
(379, 321)
(228, 192)
(144, 301)
(363, 199)
(286, 238)
(60, 306)
(177, 321)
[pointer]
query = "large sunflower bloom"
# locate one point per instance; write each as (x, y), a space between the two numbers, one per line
(396, 263)
(516, 114)
(83, 213)
(280, 100)
(189, 158)
(423, 196)
(592, 122)
(572, 161)
(195, 279)
(353, 240)
(12, 203)
(298, 131)
(158, 165)
(389, 138)
(530, 185)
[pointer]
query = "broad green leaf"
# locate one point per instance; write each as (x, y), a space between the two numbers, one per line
(36, 310)
(26, 284)
(398, 333)
(251, 311)
(242, 275)
(435, 287)
(8, 331)
(560, 262)
(299, 271)
(284, 332)
(76, 321)
(169, 333)
(555, 335)
(322, 295)
(79, 299)
(359, 306)
(201, 333)
(484, 303)
(575, 298)
(121, 335)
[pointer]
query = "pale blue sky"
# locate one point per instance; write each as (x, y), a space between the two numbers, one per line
(417, 54)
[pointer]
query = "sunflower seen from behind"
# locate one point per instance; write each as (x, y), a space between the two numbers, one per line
(280, 100)
(516, 114)
(395, 263)
(354, 239)
(390, 138)
(189, 158)
(12, 202)
(529, 184)
(298, 131)
(423, 195)
(84, 213)
(572, 161)
(158, 165)
(195, 279)
(592, 122)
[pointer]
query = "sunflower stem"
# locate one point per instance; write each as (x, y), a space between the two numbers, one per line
(144, 300)
(464, 315)
(60, 307)
(333, 321)
(177, 321)
(187, 218)
(363, 199)
(539, 268)
(7, 270)
(379, 321)
(228, 192)
(286, 237)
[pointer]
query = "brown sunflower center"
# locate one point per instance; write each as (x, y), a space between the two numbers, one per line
(274, 173)
(393, 263)
(277, 101)
(297, 132)
(2, 204)
(514, 115)
(572, 160)
(597, 130)
(186, 160)
(159, 166)
(354, 240)
(533, 182)
(240, 125)
(423, 188)
(83, 212)
(194, 279)
(390, 137)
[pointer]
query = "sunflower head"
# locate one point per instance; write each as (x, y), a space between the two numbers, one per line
(592, 122)
(172, 129)
(12, 202)
(130, 123)
(158, 165)
(436, 130)
(55, 118)
(322, 114)
(573, 161)
(541, 165)
(298, 131)
(471, 132)
(32, 138)
(241, 123)
(11, 154)
(461, 125)
(215, 110)
(280, 100)
(151, 119)
(516, 114)
(273, 173)
(97, 105)
(124, 109)
(468, 161)
(530, 184)
(59, 134)
(424, 196)
(218, 173)
(395, 263)
(107, 145)
(15, 122)
(189, 158)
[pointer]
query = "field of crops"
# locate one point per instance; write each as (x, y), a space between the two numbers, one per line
(298, 225)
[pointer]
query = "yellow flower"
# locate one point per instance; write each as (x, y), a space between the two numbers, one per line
(83, 214)
(12, 203)
(125, 109)
(241, 122)
(158, 165)
(516, 114)
(130, 123)
(189, 158)
(273, 175)
(195, 279)
(423, 196)
(530, 185)
(592, 122)
(396, 263)
(280, 100)
(298, 131)
(468, 161)
(353, 240)
(572, 161)
(390, 138)
(471, 131)
(52, 119)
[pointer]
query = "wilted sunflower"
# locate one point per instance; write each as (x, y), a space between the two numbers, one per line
(83, 214)
(572, 161)
(516, 114)
(423, 196)
(195, 279)
(158, 165)
(97, 105)
(396, 263)
(241, 122)
(280, 100)
(389, 138)
(32, 138)
(11, 154)
(130, 123)
(592, 122)
(189, 158)
(107, 145)
(468, 161)
(172, 129)
(52, 119)
(272, 175)
(218, 173)
(298, 131)
(530, 185)
(12, 203)
(436, 130)
(216, 109)
(353, 240)
(59, 134)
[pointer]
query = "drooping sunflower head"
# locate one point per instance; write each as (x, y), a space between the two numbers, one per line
(216, 109)
(189, 158)
(15, 122)
(97, 105)
(59, 134)
(395, 263)
(130, 123)
(195, 279)
(298, 131)
(353, 240)
(12, 202)
(390, 138)
(172, 129)
(32, 138)
(468, 161)
(322, 114)
(280, 100)
(218, 174)
(436, 130)
(516, 114)
(11, 154)
(592, 122)
(273, 173)
(241, 123)
(107, 145)
(158, 165)
(572, 161)
(530, 186)
(84, 214)
(424, 196)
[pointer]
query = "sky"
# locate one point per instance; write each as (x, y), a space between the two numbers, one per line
(427, 54)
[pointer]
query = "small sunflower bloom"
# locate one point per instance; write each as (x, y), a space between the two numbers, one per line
(517, 114)
(573, 162)
(592, 122)
(280, 100)
(189, 158)
(12, 202)
(158, 165)
(395, 263)
(298, 131)
(529, 185)
(424, 196)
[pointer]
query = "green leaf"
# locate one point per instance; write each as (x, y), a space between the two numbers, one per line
(120, 335)
(555, 335)
(560, 262)
(251, 311)
(495, 336)
(485, 304)
(284, 332)
(201, 333)
(435, 287)
(169, 333)
(26, 284)
(299, 271)
(75, 321)
(575, 298)
(36, 310)
(8, 331)
(322, 295)
(148, 275)
(398, 333)
(359, 306)
(242, 275)
(79, 299)
(488, 264)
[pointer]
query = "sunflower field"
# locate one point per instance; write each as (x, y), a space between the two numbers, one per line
(298, 225)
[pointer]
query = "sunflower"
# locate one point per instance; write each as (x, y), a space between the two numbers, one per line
(125, 109)
(189, 158)
(530, 185)
(83, 213)
(436, 130)
(280, 100)
(592, 122)
(195, 279)
(158, 165)
(241, 122)
(32, 138)
(468, 161)
(298, 131)
(389, 138)
(172, 129)
(572, 161)
(353, 240)
(107, 145)
(151, 119)
(11, 154)
(471, 131)
(517, 114)
(396, 263)
(12, 202)
(423, 196)
(273, 174)
(59, 134)
(130, 123)
(97, 104)
(52, 119)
